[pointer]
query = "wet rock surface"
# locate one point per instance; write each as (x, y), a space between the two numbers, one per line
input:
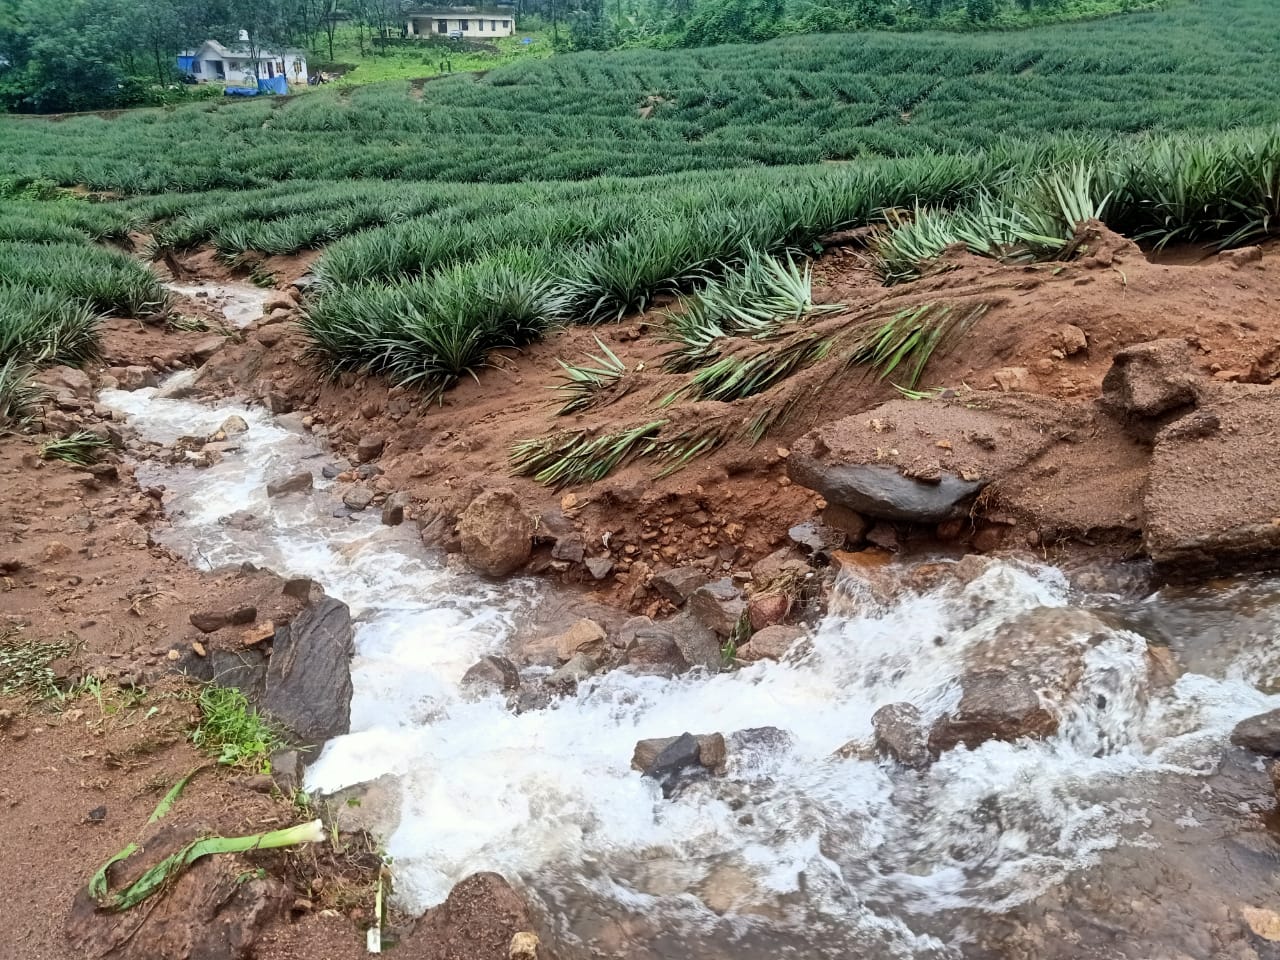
(901, 734)
(492, 673)
(1261, 734)
(994, 705)
(308, 682)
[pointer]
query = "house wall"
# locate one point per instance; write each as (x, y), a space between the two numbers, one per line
(473, 27)
(242, 74)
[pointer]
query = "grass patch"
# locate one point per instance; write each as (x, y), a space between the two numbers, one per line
(231, 730)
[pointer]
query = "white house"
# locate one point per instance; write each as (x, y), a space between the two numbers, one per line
(471, 22)
(235, 65)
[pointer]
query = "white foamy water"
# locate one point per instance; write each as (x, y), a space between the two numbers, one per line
(239, 303)
(845, 854)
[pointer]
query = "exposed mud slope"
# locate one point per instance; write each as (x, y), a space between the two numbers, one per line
(1048, 329)
(85, 768)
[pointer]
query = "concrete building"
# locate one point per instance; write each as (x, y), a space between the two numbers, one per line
(235, 65)
(466, 22)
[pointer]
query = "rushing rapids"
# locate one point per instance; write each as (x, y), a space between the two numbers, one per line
(797, 850)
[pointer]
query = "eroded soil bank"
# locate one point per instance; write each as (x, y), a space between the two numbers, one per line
(1067, 467)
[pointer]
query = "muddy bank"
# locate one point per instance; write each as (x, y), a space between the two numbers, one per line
(1071, 478)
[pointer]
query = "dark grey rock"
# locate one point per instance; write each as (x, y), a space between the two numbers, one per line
(699, 644)
(569, 548)
(718, 605)
(308, 682)
(393, 510)
(493, 673)
(815, 538)
(331, 470)
(669, 759)
(370, 447)
(901, 734)
(598, 567)
(880, 491)
(296, 483)
(357, 498)
(1261, 733)
(651, 644)
(678, 584)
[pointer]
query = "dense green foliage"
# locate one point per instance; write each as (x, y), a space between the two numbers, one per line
(585, 187)
(637, 113)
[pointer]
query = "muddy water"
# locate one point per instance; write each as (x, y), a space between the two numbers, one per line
(239, 303)
(1125, 835)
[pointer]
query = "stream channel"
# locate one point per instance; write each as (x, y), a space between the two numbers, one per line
(1135, 822)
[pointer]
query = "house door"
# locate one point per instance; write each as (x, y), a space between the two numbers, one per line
(442, 26)
(219, 70)
(271, 69)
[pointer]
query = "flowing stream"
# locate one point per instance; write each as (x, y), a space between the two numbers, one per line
(794, 852)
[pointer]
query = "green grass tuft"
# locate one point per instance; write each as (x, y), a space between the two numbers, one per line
(232, 730)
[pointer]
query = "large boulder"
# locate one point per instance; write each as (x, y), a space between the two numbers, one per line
(1261, 733)
(308, 682)
(1213, 490)
(917, 462)
(994, 705)
(218, 907)
(1150, 379)
(496, 533)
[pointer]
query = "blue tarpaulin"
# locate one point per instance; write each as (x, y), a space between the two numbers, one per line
(185, 64)
(274, 85)
(241, 91)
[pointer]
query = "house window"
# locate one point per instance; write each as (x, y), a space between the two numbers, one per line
(506, 24)
(464, 24)
(442, 26)
(195, 66)
(493, 24)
